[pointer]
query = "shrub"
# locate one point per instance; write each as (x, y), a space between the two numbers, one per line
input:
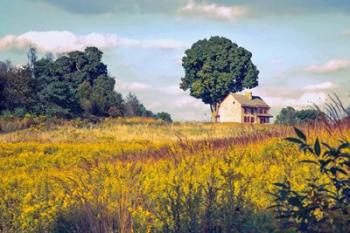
(321, 206)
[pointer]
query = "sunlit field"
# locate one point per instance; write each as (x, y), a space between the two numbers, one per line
(137, 175)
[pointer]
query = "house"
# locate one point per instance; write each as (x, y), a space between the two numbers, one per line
(244, 108)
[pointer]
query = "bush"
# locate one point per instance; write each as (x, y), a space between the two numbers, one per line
(320, 206)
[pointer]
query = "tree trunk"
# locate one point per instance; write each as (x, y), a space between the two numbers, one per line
(214, 108)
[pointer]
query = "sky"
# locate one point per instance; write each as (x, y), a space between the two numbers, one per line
(301, 48)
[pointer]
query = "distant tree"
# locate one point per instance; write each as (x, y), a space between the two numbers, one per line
(216, 67)
(133, 106)
(83, 75)
(5, 66)
(32, 57)
(59, 100)
(84, 91)
(286, 116)
(75, 84)
(8, 65)
(16, 89)
(2, 86)
(56, 97)
(103, 97)
(115, 112)
(164, 116)
(49, 56)
(290, 116)
(307, 115)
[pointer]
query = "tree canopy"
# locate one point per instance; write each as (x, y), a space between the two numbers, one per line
(216, 67)
(76, 84)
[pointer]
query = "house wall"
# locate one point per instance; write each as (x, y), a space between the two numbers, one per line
(229, 111)
(250, 115)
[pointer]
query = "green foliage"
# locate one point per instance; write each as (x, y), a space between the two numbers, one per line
(290, 116)
(16, 87)
(164, 116)
(76, 84)
(5, 66)
(216, 67)
(32, 57)
(2, 95)
(58, 99)
(133, 107)
(318, 207)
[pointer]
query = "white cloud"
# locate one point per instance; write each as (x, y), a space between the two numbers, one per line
(64, 41)
(213, 11)
(132, 86)
(187, 101)
(330, 66)
(171, 90)
(274, 61)
(169, 98)
(321, 86)
(140, 86)
(278, 97)
(306, 99)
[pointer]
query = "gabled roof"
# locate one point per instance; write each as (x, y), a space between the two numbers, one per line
(244, 100)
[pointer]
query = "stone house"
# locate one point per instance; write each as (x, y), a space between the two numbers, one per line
(244, 108)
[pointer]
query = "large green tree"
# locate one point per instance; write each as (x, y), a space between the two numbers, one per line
(76, 83)
(216, 67)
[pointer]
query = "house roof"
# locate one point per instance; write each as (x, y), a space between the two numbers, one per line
(244, 100)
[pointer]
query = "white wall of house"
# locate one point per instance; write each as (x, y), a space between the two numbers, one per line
(230, 110)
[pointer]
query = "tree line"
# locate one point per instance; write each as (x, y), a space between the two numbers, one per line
(291, 116)
(76, 84)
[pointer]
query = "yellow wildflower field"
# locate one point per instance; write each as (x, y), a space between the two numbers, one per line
(146, 176)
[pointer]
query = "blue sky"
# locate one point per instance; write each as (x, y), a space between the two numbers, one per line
(300, 47)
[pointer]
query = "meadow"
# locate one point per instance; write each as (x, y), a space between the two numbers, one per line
(139, 175)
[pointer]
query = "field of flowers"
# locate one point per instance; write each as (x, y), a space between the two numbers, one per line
(145, 176)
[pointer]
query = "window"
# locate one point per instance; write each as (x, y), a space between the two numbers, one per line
(251, 111)
(245, 110)
(246, 119)
(264, 120)
(252, 119)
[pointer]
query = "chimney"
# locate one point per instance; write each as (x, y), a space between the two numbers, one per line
(249, 94)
